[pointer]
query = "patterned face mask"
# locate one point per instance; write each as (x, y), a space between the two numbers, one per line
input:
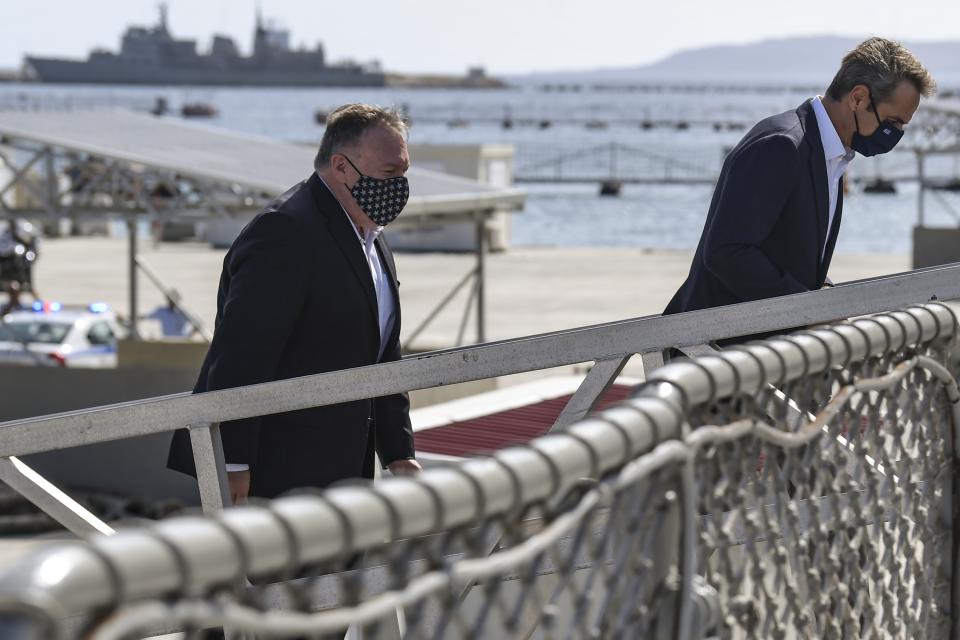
(381, 199)
(883, 140)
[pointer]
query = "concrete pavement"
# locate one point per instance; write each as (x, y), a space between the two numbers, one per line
(529, 290)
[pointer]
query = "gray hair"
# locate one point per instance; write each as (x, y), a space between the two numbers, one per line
(346, 124)
(881, 65)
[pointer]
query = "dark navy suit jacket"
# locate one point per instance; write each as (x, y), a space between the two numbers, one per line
(296, 298)
(767, 224)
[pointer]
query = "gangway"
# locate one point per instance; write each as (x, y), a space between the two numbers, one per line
(805, 357)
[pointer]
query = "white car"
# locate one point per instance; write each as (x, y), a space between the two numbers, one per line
(51, 334)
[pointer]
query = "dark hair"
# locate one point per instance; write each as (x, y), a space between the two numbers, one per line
(347, 124)
(882, 65)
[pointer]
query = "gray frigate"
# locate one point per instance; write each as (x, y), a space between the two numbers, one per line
(152, 56)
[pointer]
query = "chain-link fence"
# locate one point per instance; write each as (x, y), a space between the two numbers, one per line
(793, 488)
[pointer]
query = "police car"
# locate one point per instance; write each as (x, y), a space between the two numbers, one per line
(52, 334)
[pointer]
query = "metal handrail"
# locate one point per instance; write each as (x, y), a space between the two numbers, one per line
(594, 343)
(195, 555)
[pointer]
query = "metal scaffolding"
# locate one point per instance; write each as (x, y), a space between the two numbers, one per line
(118, 164)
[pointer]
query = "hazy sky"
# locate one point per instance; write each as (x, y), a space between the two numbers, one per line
(507, 36)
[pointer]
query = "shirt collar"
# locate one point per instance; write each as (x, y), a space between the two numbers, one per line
(832, 144)
(371, 234)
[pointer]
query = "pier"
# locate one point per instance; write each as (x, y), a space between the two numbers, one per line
(610, 162)
(454, 120)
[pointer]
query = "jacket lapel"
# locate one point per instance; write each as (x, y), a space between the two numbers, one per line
(818, 171)
(832, 239)
(345, 235)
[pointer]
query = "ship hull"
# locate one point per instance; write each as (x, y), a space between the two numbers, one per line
(51, 70)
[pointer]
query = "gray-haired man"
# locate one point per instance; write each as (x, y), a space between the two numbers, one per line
(317, 257)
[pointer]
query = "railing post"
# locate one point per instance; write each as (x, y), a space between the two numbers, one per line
(211, 467)
(480, 285)
(601, 376)
(652, 360)
(52, 192)
(132, 277)
(50, 499)
(212, 481)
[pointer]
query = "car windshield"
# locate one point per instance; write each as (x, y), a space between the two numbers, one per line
(39, 331)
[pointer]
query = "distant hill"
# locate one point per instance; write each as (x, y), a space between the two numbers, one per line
(800, 60)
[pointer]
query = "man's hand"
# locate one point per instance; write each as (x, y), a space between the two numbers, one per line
(405, 467)
(239, 486)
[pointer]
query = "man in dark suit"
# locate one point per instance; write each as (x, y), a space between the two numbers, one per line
(775, 214)
(310, 286)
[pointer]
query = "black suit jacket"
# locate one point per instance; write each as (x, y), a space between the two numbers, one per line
(767, 224)
(296, 298)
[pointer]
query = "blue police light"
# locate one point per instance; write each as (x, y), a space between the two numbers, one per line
(99, 307)
(38, 306)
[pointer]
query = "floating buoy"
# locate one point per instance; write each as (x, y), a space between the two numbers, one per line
(682, 125)
(458, 123)
(507, 123)
(611, 187)
(646, 124)
(545, 124)
(879, 185)
(320, 116)
(718, 126)
(198, 110)
(596, 124)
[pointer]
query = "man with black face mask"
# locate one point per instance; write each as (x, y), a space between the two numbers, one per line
(775, 214)
(318, 255)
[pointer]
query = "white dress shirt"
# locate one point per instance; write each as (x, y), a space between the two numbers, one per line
(837, 157)
(386, 305)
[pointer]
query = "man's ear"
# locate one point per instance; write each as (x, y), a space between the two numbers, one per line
(338, 164)
(859, 97)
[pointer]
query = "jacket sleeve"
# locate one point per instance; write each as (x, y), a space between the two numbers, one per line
(263, 299)
(756, 187)
(394, 433)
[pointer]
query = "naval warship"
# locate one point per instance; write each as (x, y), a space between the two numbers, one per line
(152, 56)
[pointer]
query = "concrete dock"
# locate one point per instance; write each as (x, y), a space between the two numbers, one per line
(529, 290)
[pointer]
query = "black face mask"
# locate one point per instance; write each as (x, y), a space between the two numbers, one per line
(884, 139)
(381, 199)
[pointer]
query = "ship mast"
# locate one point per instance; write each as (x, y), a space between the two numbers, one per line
(163, 16)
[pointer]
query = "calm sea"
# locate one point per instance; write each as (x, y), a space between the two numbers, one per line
(648, 216)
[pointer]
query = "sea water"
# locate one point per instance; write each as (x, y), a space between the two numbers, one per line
(656, 216)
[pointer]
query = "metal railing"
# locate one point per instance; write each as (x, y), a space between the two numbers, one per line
(809, 478)
(609, 346)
